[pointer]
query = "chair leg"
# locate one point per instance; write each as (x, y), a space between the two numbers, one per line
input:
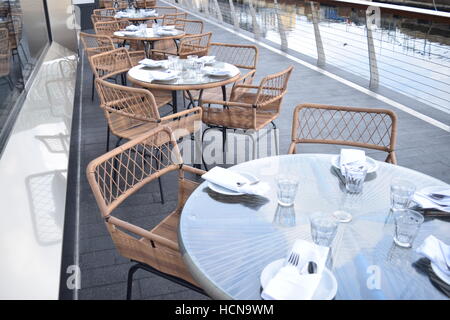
(161, 190)
(131, 272)
(93, 87)
(107, 137)
(10, 83)
(277, 138)
(203, 138)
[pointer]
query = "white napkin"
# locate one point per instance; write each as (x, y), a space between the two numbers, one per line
(168, 28)
(436, 250)
(161, 76)
(217, 71)
(229, 179)
(132, 28)
(207, 59)
(424, 202)
(292, 283)
(149, 13)
(153, 63)
(166, 32)
(351, 156)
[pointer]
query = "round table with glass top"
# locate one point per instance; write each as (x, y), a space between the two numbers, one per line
(142, 76)
(226, 241)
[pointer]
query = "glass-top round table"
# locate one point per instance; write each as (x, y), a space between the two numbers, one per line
(142, 76)
(226, 241)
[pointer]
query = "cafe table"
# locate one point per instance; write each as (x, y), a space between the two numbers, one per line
(137, 17)
(148, 38)
(142, 76)
(226, 241)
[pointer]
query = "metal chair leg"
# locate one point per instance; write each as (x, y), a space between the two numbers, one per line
(203, 138)
(161, 190)
(131, 272)
(93, 87)
(277, 138)
(107, 137)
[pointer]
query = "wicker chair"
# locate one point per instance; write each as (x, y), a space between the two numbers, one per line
(110, 64)
(131, 112)
(94, 44)
(5, 57)
(163, 10)
(249, 108)
(107, 12)
(358, 127)
(170, 19)
(144, 4)
(189, 27)
(140, 162)
(189, 45)
(242, 56)
(97, 18)
(110, 4)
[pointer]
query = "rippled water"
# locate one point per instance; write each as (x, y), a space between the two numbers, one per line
(413, 56)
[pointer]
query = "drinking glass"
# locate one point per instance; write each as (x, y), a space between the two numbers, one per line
(285, 216)
(173, 62)
(354, 178)
(323, 228)
(287, 189)
(198, 67)
(402, 192)
(407, 224)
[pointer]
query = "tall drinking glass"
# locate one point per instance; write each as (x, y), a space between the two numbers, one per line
(323, 228)
(402, 192)
(407, 225)
(287, 189)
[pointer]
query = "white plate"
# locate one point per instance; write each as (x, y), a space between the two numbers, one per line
(440, 274)
(228, 192)
(325, 291)
(372, 164)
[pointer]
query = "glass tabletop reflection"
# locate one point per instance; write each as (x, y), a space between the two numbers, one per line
(227, 241)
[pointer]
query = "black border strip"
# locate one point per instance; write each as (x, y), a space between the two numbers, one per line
(68, 256)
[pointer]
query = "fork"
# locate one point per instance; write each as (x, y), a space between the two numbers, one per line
(294, 259)
(240, 184)
(438, 196)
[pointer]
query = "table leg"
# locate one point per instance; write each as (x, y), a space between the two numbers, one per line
(174, 101)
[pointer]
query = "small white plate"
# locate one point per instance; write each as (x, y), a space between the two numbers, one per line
(440, 273)
(325, 291)
(149, 63)
(164, 76)
(228, 192)
(372, 164)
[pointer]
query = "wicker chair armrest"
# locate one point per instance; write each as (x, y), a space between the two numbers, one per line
(247, 86)
(136, 53)
(227, 103)
(122, 111)
(182, 114)
(193, 170)
(142, 232)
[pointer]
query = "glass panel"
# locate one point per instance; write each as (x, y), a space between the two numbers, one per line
(23, 37)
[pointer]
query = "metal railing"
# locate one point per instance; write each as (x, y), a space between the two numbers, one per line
(402, 48)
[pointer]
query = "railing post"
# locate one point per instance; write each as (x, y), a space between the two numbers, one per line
(233, 15)
(218, 11)
(283, 37)
(372, 19)
(256, 28)
(319, 45)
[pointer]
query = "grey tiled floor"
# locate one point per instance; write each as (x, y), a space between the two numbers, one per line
(421, 146)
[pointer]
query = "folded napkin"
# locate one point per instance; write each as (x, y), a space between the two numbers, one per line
(229, 179)
(153, 63)
(162, 76)
(351, 157)
(217, 71)
(423, 200)
(436, 250)
(168, 28)
(166, 33)
(149, 13)
(294, 283)
(207, 59)
(132, 28)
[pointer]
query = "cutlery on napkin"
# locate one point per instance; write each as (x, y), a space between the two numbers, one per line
(207, 59)
(131, 28)
(435, 200)
(217, 71)
(298, 283)
(235, 182)
(352, 157)
(153, 63)
(437, 251)
(164, 75)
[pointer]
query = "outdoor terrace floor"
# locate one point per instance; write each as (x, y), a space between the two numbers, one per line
(421, 146)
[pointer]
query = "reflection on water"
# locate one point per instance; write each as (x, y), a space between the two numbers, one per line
(412, 55)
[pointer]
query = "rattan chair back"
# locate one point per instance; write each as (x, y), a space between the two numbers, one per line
(194, 45)
(94, 44)
(170, 19)
(111, 63)
(5, 53)
(241, 55)
(357, 127)
(189, 27)
(108, 12)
